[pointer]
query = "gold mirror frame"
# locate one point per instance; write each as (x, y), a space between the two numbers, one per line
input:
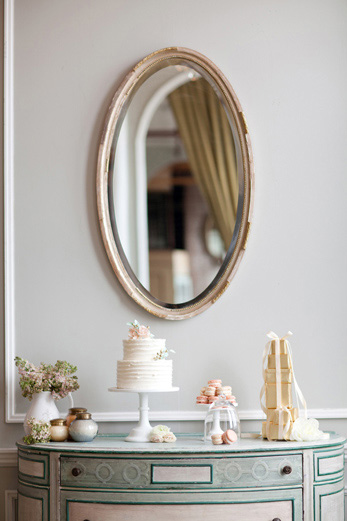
(132, 286)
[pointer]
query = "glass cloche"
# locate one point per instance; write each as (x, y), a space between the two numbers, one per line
(221, 416)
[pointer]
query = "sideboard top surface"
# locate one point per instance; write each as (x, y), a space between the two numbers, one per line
(193, 444)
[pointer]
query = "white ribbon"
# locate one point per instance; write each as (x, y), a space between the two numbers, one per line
(283, 429)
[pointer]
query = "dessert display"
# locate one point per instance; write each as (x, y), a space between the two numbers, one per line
(221, 418)
(144, 365)
(277, 389)
(213, 390)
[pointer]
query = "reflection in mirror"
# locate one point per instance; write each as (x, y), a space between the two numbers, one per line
(176, 168)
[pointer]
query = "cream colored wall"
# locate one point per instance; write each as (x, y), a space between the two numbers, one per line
(286, 62)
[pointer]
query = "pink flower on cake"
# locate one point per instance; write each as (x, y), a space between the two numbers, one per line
(144, 332)
(137, 331)
(133, 334)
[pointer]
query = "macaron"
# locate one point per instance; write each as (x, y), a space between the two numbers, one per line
(202, 399)
(229, 437)
(217, 439)
(210, 391)
(212, 399)
(225, 389)
(215, 383)
(202, 390)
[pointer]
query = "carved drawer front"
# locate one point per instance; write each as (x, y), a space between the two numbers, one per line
(33, 468)
(329, 464)
(258, 471)
(279, 510)
(329, 501)
(229, 472)
(32, 503)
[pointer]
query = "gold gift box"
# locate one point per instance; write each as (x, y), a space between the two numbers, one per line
(283, 347)
(284, 361)
(286, 376)
(273, 415)
(271, 398)
(274, 431)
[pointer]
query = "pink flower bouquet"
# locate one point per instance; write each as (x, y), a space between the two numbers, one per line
(55, 378)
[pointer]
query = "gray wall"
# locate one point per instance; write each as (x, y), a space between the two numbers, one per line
(286, 62)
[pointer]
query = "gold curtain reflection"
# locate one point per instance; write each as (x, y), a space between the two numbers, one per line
(208, 140)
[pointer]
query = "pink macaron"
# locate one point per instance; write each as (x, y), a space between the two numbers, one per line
(202, 399)
(215, 383)
(229, 437)
(225, 389)
(217, 439)
(210, 391)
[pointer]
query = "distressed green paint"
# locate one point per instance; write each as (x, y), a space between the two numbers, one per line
(184, 445)
(318, 493)
(111, 452)
(320, 455)
(31, 478)
(249, 471)
(39, 493)
(294, 496)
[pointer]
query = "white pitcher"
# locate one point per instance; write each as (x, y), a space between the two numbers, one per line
(42, 408)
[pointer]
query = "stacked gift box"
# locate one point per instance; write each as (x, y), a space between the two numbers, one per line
(280, 412)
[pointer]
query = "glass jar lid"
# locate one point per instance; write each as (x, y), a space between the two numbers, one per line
(76, 410)
(83, 416)
(58, 421)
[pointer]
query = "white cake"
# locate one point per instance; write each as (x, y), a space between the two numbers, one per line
(144, 365)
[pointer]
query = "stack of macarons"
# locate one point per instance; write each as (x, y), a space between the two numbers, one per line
(228, 437)
(213, 390)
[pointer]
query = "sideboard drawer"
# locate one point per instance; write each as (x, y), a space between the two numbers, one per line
(33, 503)
(33, 468)
(328, 465)
(265, 511)
(235, 472)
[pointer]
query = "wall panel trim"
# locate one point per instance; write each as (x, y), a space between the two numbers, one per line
(11, 497)
(8, 212)
(8, 458)
(195, 415)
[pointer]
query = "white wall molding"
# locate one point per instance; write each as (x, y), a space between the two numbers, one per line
(199, 415)
(8, 458)
(8, 212)
(196, 415)
(245, 415)
(11, 497)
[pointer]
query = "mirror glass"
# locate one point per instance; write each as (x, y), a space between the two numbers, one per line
(176, 183)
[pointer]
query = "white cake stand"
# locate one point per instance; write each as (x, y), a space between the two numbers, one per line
(142, 431)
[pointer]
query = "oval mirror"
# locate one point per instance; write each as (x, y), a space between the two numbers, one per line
(174, 183)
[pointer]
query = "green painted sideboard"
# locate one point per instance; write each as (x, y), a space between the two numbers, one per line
(251, 480)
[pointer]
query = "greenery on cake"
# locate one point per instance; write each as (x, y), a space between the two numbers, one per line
(163, 354)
